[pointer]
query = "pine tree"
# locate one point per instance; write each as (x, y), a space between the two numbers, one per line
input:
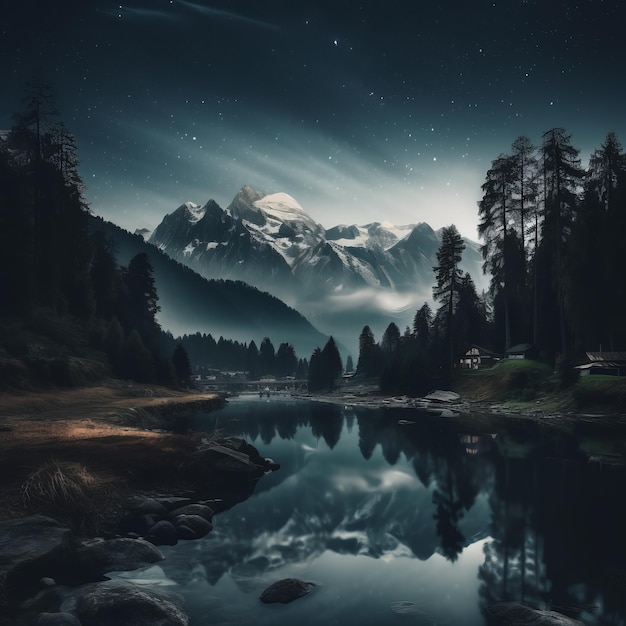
(448, 276)
(496, 214)
(562, 176)
(140, 308)
(390, 352)
(422, 323)
(369, 354)
(331, 362)
(267, 356)
(182, 366)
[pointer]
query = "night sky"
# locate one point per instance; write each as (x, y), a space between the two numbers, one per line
(363, 111)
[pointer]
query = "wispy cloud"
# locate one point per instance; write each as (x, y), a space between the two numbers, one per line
(139, 13)
(225, 15)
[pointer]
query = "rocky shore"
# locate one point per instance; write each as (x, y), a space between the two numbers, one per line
(92, 481)
(50, 574)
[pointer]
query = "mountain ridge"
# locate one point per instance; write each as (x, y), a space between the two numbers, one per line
(232, 309)
(269, 241)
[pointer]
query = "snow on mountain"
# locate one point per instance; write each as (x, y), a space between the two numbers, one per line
(375, 235)
(271, 242)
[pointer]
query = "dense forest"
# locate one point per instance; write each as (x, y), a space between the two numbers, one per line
(59, 278)
(553, 233)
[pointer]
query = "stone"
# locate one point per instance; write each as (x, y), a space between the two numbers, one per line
(97, 557)
(31, 548)
(229, 463)
(286, 590)
(193, 509)
(271, 465)
(56, 619)
(174, 502)
(114, 602)
(185, 533)
(162, 533)
(143, 505)
(199, 525)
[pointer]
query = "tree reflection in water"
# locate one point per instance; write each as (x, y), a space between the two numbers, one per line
(551, 523)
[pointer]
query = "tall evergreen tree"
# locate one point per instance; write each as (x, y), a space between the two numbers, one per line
(562, 178)
(448, 276)
(267, 355)
(390, 352)
(331, 363)
(140, 306)
(496, 218)
(369, 354)
(182, 366)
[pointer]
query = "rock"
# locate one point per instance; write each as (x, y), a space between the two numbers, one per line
(197, 524)
(56, 619)
(286, 590)
(142, 505)
(30, 549)
(443, 396)
(140, 524)
(228, 463)
(162, 533)
(184, 532)
(519, 614)
(174, 502)
(271, 465)
(97, 557)
(193, 509)
(113, 603)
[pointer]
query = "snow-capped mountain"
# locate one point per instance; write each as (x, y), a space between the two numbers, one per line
(270, 242)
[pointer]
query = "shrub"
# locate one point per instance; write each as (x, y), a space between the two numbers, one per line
(64, 489)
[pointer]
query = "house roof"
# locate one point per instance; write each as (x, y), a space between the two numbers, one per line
(482, 351)
(519, 348)
(606, 356)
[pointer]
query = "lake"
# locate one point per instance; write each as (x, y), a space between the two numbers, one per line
(416, 524)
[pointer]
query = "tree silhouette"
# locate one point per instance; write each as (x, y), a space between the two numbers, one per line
(448, 276)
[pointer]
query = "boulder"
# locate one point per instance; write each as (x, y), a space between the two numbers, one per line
(30, 548)
(114, 602)
(173, 502)
(162, 533)
(97, 557)
(286, 590)
(141, 505)
(229, 463)
(193, 509)
(197, 524)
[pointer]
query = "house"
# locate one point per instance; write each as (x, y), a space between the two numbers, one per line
(477, 357)
(607, 363)
(520, 351)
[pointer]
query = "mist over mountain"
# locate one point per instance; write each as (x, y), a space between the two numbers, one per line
(232, 309)
(340, 278)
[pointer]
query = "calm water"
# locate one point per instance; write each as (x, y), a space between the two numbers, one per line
(377, 513)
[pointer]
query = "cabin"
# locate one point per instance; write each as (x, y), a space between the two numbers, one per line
(520, 351)
(477, 357)
(606, 363)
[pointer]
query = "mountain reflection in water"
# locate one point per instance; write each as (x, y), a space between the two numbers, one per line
(381, 515)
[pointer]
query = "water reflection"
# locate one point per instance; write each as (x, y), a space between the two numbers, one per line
(377, 513)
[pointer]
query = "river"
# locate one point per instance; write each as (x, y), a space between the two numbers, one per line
(416, 523)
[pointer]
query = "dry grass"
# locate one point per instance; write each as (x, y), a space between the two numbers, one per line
(62, 485)
(71, 453)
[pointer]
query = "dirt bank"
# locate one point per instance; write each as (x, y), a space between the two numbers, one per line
(105, 440)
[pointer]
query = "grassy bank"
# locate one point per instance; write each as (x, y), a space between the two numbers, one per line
(533, 386)
(76, 454)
